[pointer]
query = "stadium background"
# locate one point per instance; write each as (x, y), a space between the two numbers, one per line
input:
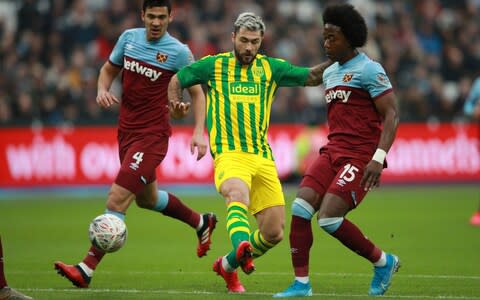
(51, 51)
(58, 151)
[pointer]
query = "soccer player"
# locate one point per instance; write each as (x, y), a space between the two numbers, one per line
(362, 118)
(149, 57)
(241, 88)
(7, 293)
(471, 109)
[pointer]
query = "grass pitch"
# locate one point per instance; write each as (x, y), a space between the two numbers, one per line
(427, 227)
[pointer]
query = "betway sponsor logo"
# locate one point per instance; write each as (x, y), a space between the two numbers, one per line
(135, 66)
(340, 95)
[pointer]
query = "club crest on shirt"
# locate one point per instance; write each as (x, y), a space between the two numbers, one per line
(347, 77)
(161, 57)
(257, 71)
(383, 79)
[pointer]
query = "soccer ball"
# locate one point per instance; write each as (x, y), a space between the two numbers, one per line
(107, 232)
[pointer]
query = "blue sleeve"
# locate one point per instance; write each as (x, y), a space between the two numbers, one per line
(185, 58)
(473, 98)
(374, 79)
(116, 57)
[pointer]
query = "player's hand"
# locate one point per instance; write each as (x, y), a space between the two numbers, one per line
(198, 141)
(178, 109)
(105, 99)
(371, 175)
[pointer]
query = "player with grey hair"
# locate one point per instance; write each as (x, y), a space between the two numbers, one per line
(241, 88)
(249, 21)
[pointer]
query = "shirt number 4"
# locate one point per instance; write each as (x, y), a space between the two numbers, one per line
(138, 157)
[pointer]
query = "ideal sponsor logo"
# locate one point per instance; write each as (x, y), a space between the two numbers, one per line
(340, 95)
(136, 67)
(244, 88)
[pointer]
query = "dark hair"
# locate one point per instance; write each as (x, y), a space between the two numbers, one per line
(349, 20)
(155, 3)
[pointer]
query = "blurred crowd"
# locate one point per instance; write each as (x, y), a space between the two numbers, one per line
(51, 52)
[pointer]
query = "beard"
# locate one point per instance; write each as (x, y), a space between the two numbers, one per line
(244, 58)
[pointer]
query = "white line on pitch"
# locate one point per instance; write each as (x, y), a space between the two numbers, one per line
(177, 292)
(429, 276)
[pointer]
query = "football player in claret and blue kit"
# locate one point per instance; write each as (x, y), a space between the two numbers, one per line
(148, 57)
(362, 117)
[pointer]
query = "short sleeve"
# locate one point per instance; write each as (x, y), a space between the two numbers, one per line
(116, 57)
(197, 72)
(286, 74)
(375, 80)
(185, 58)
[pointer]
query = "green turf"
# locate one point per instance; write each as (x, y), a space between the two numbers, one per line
(426, 226)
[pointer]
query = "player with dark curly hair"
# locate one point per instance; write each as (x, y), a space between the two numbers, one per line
(363, 120)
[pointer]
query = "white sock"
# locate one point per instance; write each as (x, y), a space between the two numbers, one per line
(86, 269)
(382, 261)
(200, 224)
(302, 279)
(226, 266)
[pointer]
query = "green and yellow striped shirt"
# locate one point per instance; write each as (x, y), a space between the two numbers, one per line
(239, 98)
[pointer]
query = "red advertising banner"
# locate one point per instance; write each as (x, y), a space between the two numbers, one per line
(88, 155)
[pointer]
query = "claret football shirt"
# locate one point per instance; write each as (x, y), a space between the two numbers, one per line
(147, 69)
(350, 91)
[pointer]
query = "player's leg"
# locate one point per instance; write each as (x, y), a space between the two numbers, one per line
(271, 222)
(236, 193)
(7, 293)
(153, 150)
(119, 199)
(268, 207)
(233, 172)
(301, 240)
(127, 183)
(343, 195)
(314, 184)
(168, 204)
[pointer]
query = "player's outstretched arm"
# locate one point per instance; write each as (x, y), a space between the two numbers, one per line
(178, 109)
(108, 72)
(198, 139)
(388, 109)
(315, 76)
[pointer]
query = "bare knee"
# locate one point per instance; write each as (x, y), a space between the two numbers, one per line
(234, 195)
(271, 223)
(235, 190)
(273, 234)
